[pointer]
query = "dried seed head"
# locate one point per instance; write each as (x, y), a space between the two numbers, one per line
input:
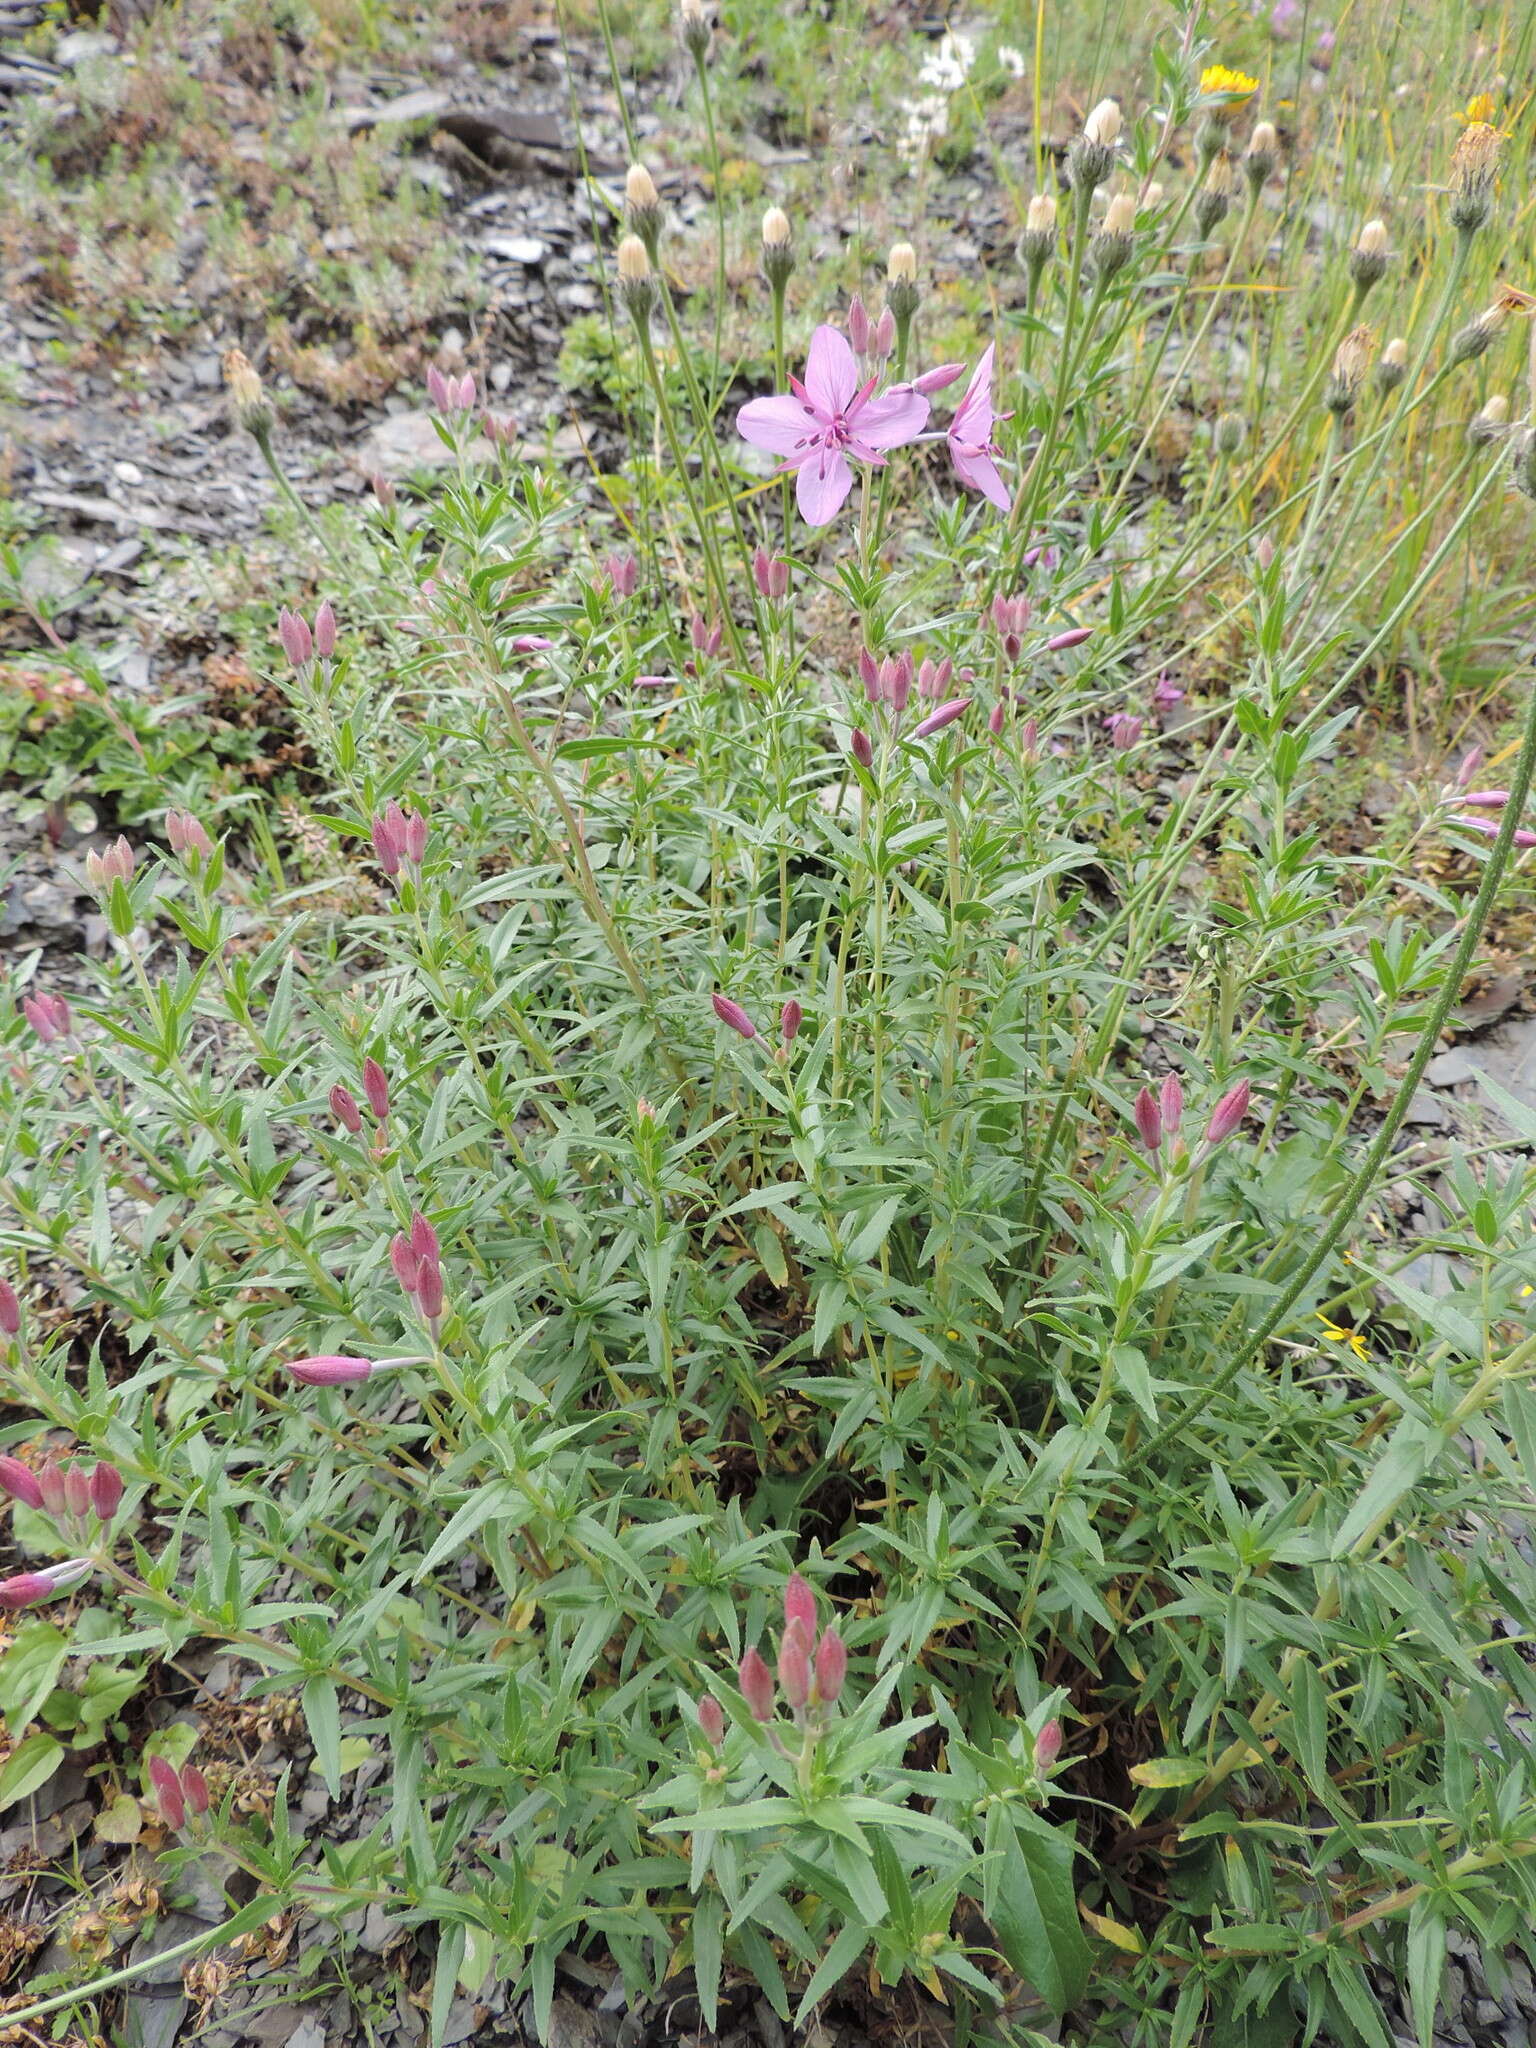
(1038, 241)
(640, 187)
(1474, 165)
(247, 399)
(695, 25)
(1490, 423)
(1215, 195)
(642, 206)
(1350, 363)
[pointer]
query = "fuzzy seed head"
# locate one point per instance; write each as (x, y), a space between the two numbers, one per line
(901, 264)
(640, 188)
(776, 229)
(1104, 124)
(1373, 239)
(1041, 218)
(634, 264)
(1120, 215)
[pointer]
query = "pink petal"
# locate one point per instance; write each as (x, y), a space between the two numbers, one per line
(782, 425)
(975, 468)
(831, 374)
(890, 421)
(821, 485)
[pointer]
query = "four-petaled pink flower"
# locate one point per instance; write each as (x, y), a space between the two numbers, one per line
(828, 420)
(971, 446)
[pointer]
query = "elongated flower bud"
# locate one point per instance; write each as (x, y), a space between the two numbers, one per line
(1037, 244)
(1489, 830)
(51, 1482)
(946, 714)
(734, 1015)
(429, 1291)
(10, 1311)
(861, 747)
(901, 293)
(331, 1370)
(711, 1720)
(325, 630)
(247, 400)
(831, 1667)
(49, 1016)
(19, 1483)
(1228, 1114)
(424, 1239)
(297, 641)
(800, 1605)
(77, 1492)
(637, 287)
(795, 1665)
(756, 1682)
(345, 1110)
(790, 1019)
(195, 1787)
(1215, 195)
(106, 1491)
(1474, 163)
(1047, 1745)
(1170, 1103)
(1486, 799)
(1112, 246)
(168, 1793)
(1350, 362)
(1149, 1121)
(404, 1261)
(858, 326)
(376, 1088)
(26, 1588)
(1229, 433)
(1073, 637)
(694, 27)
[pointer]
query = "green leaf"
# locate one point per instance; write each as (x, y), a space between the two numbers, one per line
(28, 1767)
(1426, 1967)
(1309, 1724)
(1404, 1462)
(33, 1659)
(322, 1715)
(1031, 1901)
(708, 1950)
(1162, 1773)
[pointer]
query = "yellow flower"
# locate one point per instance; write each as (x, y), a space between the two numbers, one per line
(1217, 82)
(1481, 107)
(1336, 1334)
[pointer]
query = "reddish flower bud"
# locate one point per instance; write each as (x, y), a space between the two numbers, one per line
(734, 1015)
(996, 717)
(168, 1793)
(531, 643)
(429, 1291)
(376, 1088)
(19, 1483)
(933, 679)
(791, 1017)
(756, 1682)
(1073, 637)
(385, 850)
(404, 1261)
(424, 1240)
(800, 1605)
(1486, 799)
(1170, 1102)
(77, 1492)
(860, 748)
(858, 326)
(10, 1311)
(883, 339)
(1149, 1120)
(28, 1587)
(1228, 1114)
(1047, 1745)
(195, 1786)
(831, 1667)
(415, 838)
(1471, 761)
(795, 1665)
(345, 1110)
(1489, 830)
(937, 379)
(869, 675)
(325, 631)
(712, 1720)
(295, 635)
(106, 1491)
(49, 1016)
(945, 715)
(331, 1370)
(50, 1480)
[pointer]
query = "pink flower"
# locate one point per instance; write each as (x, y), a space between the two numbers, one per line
(945, 715)
(820, 424)
(48, 1015)
(1491, 831)
(293, 632)
(450, 394)
(734, 1015)
(622, 573)
(1125, 729)
(1073, 637)
(1010, 615)
(971, 447)
(531, 643)
(331, 1370)
(1166, 694)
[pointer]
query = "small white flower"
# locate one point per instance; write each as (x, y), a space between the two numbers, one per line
(1011, 59)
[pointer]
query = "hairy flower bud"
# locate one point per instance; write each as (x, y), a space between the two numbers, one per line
(795, 1665)
(778, 249)
(1149, 1121)
(1490, 423)
(711, 1720)
(1091, 155)
(637, 286)
(831, 1667)
(106, 1487)
(26, 1588)
(1037, 244)
(1474, 164)
(1227, 1115)
(901, 293)
(1350, 362)
(1112, 246)
(19, 1483)
(791, 1017)
(1229, 433)
(1261, 155)
(331, 1369)
(642, 207)
(1393, 365)
(1215, 195)
(756, 1682)
(695, 26)
(168, 1793)
(734, 1015)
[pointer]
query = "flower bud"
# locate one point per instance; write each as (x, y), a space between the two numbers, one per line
(756, 1682)
(424, 1239)
(858, 326)
(49, 1015)
(1074, 636)
(795, 1666)
(1230, 432)
(1037, 244)
(800, 1605)
(860, 748)
(1103, 125)
(902, 296)
(1261, 155)
(26, 1588)
(77, 1492)
(776, 230)
(946, 714)
(831, 1667)
(19, 1483)
(10, 1311)
(345, 1110)
(1490, 423)
(1522, 461)
(1350, 361)
(1215, 195)
(1486, 799)
(50, 1482)
(1112, 246)
(325, 630)
(883, 340)
(195, 1787)
(711, 1720)
(331, 1370)
(778, 249)
(637, 287)
(694, 27)
(1227, 1115)
(1091, 155)
(376, 1088)
(430, 1291)
(168, 1793)
(791, 1017)
(1149, 1120)
(1170, 1103)
(106, 1491)
(642, 207)
(404, 1261)
(294, 633)
(1474, 163)
(1047, 1745)
(734, 1015)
